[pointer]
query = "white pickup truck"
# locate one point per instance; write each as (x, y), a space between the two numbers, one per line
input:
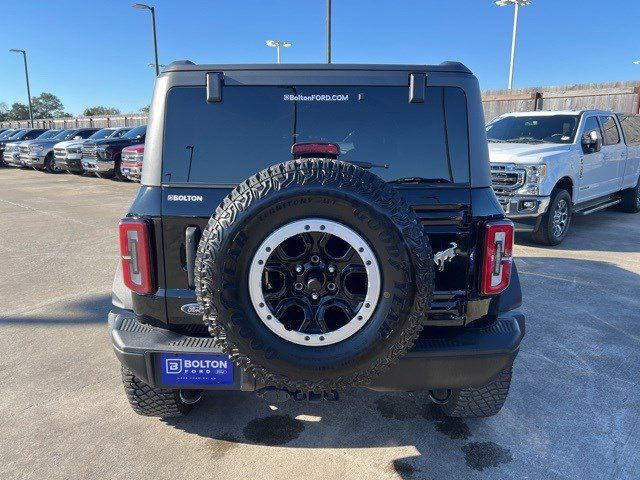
(548, 166)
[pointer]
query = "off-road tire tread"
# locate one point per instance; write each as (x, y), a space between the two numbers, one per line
(480, 402)
(324, 171)
(150, 401)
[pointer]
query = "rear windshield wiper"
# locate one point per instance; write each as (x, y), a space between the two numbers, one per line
(368, 165)
(420, 180)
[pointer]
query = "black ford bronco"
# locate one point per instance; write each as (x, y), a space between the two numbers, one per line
(302, 229)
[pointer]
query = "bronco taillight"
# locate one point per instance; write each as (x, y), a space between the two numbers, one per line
(135, 253)
(496, 262)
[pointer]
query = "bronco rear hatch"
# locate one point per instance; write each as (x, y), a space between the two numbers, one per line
(409, 132)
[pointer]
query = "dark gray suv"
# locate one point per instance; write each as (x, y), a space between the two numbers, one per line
(304, 229)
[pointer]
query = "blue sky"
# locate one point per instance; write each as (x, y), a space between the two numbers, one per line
(96, 52)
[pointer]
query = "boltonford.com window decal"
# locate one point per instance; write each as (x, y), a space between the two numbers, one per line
(316, 98)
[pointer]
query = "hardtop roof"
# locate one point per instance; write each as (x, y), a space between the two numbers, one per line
(186, 65)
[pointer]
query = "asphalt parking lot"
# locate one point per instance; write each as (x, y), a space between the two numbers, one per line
(573, 411)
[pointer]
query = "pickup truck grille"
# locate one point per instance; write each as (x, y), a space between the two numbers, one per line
(89, 151)
(505, 179)
(24, 150)
(60, 152)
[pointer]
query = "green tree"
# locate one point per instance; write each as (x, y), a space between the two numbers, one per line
(18, 111)
(100, 110)
(46, 105)
(145, 109)
(3, 111)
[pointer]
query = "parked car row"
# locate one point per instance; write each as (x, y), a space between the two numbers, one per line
(76, 150)
(546, 166)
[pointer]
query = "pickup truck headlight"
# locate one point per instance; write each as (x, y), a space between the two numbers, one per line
(534, 176)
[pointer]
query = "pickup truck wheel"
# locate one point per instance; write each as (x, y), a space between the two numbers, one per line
(554, 225)
(50, 164)
(157, 402)
(118, 171)
(314, 275)
(631, 199)
(478, 402)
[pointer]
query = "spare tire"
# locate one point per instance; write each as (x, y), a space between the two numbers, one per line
(314, 275)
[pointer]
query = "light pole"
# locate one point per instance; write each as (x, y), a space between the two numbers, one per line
(328, 31)
(26, 74)
(153, 27)
(517, 4)
(277, 44)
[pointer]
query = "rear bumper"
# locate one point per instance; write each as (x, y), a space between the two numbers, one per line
(465, 359)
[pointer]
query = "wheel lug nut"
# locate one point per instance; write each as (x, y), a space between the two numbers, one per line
(298, 286)
(331, 268)
(315, 295)
(315, 259)
(331, 287)
(299, 268)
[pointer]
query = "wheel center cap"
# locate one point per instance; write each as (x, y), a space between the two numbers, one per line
(314, 284)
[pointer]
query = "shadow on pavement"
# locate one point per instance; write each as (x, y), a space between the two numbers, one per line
(589, 347)
(88, 310)
(361, 419)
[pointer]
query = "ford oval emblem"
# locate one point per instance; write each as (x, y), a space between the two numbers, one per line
(193, 309)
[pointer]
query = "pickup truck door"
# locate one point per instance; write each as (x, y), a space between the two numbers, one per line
(614, 154)
(591, 174)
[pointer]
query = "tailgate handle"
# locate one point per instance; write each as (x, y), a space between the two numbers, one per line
(192, 238)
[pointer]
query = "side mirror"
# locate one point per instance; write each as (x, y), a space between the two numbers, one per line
(591, 142)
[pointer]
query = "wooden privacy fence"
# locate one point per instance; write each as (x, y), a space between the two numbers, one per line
(621, 97)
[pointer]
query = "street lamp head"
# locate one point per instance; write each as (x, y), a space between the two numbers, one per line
(278, 43)
(506, 3)
(17, 50)
(636, 62)
(142, 6)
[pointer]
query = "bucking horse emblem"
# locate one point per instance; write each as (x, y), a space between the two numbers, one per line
(445, 255)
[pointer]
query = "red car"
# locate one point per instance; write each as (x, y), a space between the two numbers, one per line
(131, 165)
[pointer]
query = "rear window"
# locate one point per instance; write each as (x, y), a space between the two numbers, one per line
(631, 128)
(610, 130)
(254, 127)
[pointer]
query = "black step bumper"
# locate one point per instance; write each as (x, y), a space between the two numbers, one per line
(468, 357)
